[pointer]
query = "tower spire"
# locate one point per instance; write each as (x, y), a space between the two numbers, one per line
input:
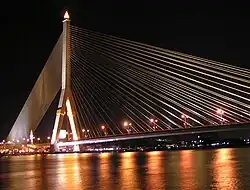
(66, 15)
(31, 136)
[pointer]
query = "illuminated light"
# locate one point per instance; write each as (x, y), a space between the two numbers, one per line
(66, 15)
(31, 136)
(58, 111)
(103, 127)
(183, 116)
(83, 130)
(17, 141)
(220, 111)
(71, 120)
(125, 124)
(48, 138)
(151, 120)
(156, 120)
(38, 138)
(62, 134)
(87, 130)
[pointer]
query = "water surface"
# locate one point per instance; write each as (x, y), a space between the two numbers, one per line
(227, 169)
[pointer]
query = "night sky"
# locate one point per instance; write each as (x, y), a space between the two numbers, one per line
(215, 30)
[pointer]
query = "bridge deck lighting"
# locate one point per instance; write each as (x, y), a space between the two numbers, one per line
(153, 120)
(220, 111)
(183, 116)
(125, 124)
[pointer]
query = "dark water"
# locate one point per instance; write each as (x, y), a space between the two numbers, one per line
(227, 169)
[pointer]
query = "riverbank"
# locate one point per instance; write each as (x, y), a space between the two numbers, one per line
(145, 149)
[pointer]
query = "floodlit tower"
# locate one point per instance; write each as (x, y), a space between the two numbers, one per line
(31, 137)
(66, 106)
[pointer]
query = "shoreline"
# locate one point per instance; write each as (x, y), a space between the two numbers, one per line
(127, 150)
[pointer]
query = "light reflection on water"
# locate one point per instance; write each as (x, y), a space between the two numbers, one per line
(188, 169)
(224, 170)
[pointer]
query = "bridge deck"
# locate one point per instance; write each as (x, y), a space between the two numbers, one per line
(173, 132)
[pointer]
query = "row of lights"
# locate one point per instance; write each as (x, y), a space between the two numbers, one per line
(127, 125)
(24, 139)
(154, 122)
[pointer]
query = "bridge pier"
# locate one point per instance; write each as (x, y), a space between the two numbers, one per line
(54, 148)
(76, 148)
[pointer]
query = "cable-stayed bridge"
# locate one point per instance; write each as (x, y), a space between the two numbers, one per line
(123, 89)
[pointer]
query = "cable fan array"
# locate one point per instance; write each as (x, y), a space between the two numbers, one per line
(116, 80)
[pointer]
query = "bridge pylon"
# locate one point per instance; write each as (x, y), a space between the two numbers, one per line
(66, 106)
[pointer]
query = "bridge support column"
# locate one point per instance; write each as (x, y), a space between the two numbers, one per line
(54, 147)
(66, 105)
(76, 148)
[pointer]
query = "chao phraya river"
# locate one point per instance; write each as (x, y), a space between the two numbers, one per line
(227, 168)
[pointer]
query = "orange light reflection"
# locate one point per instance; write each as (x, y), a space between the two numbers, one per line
(128, 171)
(105, 177)
(155, 170)
(69, 171)
(224, 169)
(187, 177)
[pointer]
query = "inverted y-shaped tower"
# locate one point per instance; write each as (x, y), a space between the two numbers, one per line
(66, 106)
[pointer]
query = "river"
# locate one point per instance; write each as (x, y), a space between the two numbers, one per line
(226, 168)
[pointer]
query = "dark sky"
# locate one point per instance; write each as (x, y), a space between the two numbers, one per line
(216, 30)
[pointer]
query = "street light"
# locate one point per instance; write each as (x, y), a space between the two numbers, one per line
(85, 132)
(154, 121)
(127, 126)
(220, 112)
(87, 135)
(183, 116)
(104, 130)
